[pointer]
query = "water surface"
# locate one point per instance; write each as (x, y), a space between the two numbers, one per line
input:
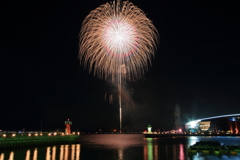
(121, 147)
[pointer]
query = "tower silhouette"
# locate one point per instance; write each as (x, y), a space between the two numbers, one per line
(68, 124)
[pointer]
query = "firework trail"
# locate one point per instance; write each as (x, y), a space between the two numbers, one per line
(117, 41)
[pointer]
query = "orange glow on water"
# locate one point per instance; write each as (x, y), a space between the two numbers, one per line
(11, 157)
(28, 155)
(53, 152)
(48, 154)
(73, 152)
(66, 152)
(35, 154)
(2, 156)
(78, 150)
(62, 152)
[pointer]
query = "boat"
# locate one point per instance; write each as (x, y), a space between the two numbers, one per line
(213, 147)
(233, 150)
(206, 147)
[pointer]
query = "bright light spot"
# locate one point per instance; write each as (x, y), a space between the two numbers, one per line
(119, 37)
(193, 124)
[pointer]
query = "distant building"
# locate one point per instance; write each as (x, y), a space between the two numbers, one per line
(228, 123)
(205, 125)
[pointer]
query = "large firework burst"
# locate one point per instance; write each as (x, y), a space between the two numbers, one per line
(117, 40)
(117, 37)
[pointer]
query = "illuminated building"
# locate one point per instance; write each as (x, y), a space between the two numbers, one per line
(149, 129)
(228, 123)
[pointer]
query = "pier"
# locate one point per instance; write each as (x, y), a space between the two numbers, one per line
(184, 134)
(23, 140)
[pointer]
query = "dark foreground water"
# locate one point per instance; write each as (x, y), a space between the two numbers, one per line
(121, 147)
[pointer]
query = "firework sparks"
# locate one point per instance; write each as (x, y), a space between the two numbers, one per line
(117, 41)
(116, 34)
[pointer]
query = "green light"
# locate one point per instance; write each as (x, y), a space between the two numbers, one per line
(150, 148)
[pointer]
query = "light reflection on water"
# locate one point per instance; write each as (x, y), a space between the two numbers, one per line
(11, 157)
(2, 156)
(121, 147)
(35, 154)
(48, 153)
(54, 153)
(181, 152)
(120, 154)
(27, 155)
(150, 149)
(61, 152)
(66, 152)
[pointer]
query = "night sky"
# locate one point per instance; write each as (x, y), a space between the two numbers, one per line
(196, 66)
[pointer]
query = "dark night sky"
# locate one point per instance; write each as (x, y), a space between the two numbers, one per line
(196, 66)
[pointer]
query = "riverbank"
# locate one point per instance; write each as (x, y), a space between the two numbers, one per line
(162, 134)
(12, 140)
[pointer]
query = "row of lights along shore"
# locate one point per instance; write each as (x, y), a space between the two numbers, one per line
(40, 134)
(67, 123)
